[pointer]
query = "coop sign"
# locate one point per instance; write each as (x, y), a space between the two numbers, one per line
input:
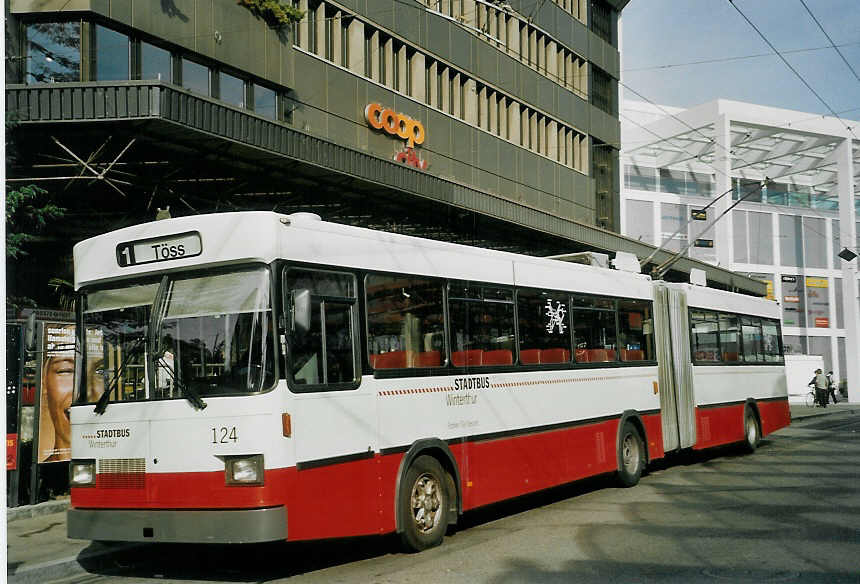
(391, 122)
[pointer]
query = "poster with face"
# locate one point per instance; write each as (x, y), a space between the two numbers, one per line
(58, 382)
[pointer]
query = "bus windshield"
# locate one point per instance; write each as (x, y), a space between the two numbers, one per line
(215, 337)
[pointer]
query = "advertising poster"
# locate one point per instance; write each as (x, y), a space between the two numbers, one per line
(818, 302)
(11, 451)
(793, 305)
(58, 381)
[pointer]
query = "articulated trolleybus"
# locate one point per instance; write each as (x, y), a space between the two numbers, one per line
(249, 377)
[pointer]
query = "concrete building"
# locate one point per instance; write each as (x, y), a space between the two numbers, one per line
(489, 123)
(794, 177)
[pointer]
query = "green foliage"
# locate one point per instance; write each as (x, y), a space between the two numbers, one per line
(276, 13)
(26, 216)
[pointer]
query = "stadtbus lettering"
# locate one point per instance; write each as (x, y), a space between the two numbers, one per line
(395, 124)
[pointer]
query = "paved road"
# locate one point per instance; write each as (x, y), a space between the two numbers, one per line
(788, 513)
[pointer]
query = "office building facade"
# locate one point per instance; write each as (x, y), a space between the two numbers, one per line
(766, 192)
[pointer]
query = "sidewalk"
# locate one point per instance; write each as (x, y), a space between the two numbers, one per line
(38, 549)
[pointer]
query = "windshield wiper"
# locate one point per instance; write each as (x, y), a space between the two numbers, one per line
(102, 404)
(190, 394)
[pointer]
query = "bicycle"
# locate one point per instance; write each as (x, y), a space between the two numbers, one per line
(810, 400)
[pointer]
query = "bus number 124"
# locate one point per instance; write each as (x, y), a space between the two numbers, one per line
(224, 435)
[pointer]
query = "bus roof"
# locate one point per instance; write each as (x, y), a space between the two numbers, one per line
(256, 236)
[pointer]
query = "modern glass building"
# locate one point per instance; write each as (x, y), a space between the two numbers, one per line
(766, 192)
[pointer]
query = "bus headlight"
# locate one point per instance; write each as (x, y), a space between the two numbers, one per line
(82, 473)
(244, 470)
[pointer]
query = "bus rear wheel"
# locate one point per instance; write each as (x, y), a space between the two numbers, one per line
(631, 456)
(752, 433)
(423, 505)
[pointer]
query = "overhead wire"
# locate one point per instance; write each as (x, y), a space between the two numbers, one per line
(832, 44)
(791, 68)
(730, 59)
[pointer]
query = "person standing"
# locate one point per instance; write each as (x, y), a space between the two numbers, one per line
(820, 381)
(831, 387)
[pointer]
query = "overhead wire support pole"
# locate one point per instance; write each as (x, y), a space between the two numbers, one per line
(658, 272)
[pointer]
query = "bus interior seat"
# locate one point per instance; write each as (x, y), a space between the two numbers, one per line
(498, 357)
(558, 355)
(467, 358)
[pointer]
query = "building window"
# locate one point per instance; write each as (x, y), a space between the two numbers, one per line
(53, 52)
(642, 178)
(195, 76)
(231, 89)
(604, 92)
(111, 50)
(265, 102)
(602, 16)
(155, 63)
(790, 240)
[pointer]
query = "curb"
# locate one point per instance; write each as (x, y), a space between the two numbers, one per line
(834, 410)
(28, 511)
(67, 567)
(47, 571)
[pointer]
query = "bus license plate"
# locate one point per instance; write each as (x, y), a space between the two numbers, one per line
(159, 249)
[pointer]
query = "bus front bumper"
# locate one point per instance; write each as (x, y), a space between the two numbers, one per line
(179, 526)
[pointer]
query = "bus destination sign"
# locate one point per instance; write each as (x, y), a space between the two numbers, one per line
(159, 249)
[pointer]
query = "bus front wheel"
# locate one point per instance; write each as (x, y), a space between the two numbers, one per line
(631, 456)
(423, 505)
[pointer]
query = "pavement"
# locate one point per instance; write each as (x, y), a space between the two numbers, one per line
(38, 550)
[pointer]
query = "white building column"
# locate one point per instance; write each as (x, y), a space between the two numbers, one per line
(723, 167)
(848, 238)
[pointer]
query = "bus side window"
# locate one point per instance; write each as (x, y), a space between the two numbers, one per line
(405, 322)
(705, 336)
(594, 329)
(482, 325)
(635, 337)
(322, 348)
(544, 327)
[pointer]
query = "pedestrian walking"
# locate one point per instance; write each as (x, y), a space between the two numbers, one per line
(831, 387)
(819, 381)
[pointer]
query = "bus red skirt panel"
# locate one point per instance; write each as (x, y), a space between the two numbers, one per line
(326, 501)
(724, 424)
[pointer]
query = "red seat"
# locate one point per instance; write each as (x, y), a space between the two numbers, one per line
(530, 356)
(390, 360)
(429, 359)
(594, 355)
(632, 355)
(467, 358)
(498, 357)
(558, 355)
(610, 355)
(730, 356)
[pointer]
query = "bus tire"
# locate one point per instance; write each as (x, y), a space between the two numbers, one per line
(752, 432)
(631, 456)
(424, 505)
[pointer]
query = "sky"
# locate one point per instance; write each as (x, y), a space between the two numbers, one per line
(660, 33)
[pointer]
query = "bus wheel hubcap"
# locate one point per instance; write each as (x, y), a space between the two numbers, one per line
(630, 453)
(426, 503)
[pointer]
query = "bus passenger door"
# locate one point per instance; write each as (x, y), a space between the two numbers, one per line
(674, 367)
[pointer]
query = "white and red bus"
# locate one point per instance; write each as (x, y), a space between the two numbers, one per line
(249, 377)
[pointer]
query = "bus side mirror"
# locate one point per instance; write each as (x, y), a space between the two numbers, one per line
(30, 332)
(302, 310)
